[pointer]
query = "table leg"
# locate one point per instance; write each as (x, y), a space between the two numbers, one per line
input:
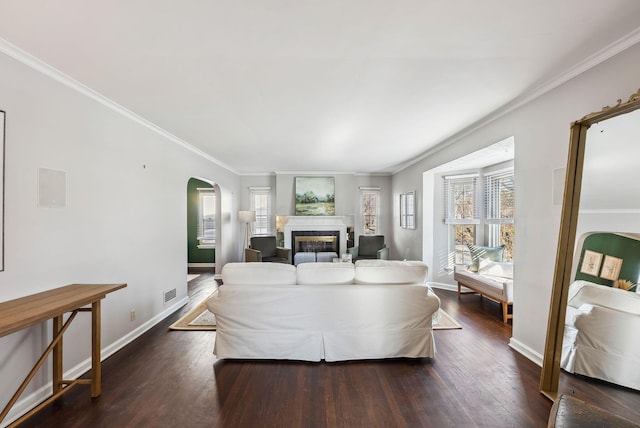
(96, 368)
(57, 355)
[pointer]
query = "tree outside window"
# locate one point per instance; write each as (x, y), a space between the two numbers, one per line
(370, 208)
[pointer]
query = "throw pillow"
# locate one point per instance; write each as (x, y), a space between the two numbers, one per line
(490, 253)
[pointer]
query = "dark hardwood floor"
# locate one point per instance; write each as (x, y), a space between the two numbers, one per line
(171, 379)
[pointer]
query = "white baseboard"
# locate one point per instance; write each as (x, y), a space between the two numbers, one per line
(201, 265)
(442, 286)
(523, 349)
(450, 287)
(32, 400)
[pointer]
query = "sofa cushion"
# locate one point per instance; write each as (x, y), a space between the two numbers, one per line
(498, 269)
(325, 273)
(390, 272)
(258, 274)
(479, 252)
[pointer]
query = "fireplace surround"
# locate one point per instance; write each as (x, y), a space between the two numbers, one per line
(314, 241)
(315, 234)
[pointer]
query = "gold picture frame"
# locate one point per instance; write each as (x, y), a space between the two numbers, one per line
(591, 263)
(611, 268)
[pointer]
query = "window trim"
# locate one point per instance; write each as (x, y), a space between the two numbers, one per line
(205, 242)
(374, 191)
(260, 191)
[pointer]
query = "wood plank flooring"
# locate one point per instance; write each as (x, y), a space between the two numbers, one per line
(171, 379)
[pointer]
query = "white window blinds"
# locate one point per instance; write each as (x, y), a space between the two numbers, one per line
(261, 204)
(206, 216)
(499, 197)
(461, 204)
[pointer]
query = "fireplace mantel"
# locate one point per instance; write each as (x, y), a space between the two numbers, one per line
(313, 224)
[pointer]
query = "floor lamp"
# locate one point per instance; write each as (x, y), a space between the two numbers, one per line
(246, 217)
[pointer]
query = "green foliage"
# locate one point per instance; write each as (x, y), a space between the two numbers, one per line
(317, 208)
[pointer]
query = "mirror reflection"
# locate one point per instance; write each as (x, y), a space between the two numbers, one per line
(602, 326)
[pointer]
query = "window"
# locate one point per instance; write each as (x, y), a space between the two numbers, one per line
(499, 198)
(408, 210)
(261, 204)
(369, 198)
(206, 217)
(462, 214)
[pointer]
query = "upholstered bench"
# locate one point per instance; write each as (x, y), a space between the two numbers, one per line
(493, 280)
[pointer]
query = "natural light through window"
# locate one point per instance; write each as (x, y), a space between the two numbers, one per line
(206, 218)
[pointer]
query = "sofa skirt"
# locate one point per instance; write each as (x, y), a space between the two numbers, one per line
(329, 346)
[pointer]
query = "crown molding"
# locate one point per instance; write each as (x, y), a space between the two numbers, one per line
(536, 91)
(42, 67)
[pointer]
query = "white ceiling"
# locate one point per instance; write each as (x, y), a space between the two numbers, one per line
(333, 85)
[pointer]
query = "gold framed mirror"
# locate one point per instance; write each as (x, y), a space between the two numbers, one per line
(550, 376)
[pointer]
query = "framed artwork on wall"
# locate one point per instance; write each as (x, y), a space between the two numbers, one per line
(591, 263)
(315, 196)
(611, 268)
(408, 210)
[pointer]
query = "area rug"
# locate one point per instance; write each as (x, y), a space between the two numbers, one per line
(443, 321)
(198, 318)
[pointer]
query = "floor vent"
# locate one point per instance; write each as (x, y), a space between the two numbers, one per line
(169, 295)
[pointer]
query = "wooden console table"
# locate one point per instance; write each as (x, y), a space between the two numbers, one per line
(26, 311)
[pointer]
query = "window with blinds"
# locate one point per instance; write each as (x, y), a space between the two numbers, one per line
(499, 195)
(369, 198)
(261, 203)
(206, 217)
(462, 213)
(461, 206)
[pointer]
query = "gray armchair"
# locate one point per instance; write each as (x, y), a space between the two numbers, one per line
(264, 249)
(370, 247)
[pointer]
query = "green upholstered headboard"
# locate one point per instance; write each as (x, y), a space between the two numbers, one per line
(625, 246)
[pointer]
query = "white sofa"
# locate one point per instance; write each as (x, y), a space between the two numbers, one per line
(493, 280)
(324, 311)
(602, 334)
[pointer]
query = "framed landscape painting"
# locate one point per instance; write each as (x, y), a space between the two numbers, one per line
(315, 196)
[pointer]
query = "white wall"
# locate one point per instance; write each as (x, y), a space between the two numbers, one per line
(125, 218)
(541, 132)
(347, 191)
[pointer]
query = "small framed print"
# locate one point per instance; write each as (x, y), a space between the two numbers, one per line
(591, 263)
(611, 268)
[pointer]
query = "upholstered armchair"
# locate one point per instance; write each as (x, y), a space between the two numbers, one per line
(370, 247)
(265, 249)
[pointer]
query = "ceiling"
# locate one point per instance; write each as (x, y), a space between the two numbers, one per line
(316, 86)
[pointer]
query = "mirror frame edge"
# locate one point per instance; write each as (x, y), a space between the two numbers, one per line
(550, 375)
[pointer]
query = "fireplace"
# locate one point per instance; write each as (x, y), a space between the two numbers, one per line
(315, 234)
(316, 241)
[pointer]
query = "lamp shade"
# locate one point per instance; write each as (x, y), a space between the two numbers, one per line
(246, 216)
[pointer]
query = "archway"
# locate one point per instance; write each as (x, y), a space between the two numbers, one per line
(203, 225)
